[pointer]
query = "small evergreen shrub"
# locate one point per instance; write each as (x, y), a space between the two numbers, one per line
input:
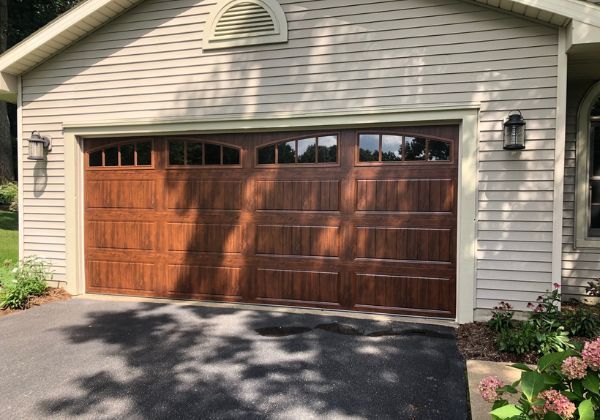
(28, 280)
(9, 196)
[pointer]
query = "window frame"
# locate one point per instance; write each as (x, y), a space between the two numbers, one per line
(120, 167)
(317, 164)
(403, 162)
(583, 232)
(202, 141)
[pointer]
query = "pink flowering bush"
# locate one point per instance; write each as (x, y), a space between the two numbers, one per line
(564, 385)
(488, 388)
(555, 402)
(574, 368)
(591, 354)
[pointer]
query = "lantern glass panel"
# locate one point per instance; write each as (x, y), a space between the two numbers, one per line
(36, 150)
(514, 135)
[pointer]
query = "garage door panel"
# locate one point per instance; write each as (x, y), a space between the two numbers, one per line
(401, 292)
(121, 194)
(403, 244)
(122, 235)
(124, 276)
(290, 286)
(400, 195)
(206, 195)
(205, 281)
(199, 237)
(298, 195)
(317, 241)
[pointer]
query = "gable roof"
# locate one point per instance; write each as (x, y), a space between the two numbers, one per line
(92, 14)
(57, 35)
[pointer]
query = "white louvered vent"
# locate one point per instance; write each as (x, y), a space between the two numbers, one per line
(245, 22)
(244, 19)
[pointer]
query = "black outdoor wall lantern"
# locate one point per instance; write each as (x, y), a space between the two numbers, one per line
(514, 131)
(37, 145)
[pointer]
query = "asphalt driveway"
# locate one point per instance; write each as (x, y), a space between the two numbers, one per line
(95, 359)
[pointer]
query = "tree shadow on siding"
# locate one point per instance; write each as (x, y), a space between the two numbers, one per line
(189, 362)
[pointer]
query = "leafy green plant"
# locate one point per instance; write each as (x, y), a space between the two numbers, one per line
(547, 313)
(593, 288)
(29, 280)
(563, 385)
(9, 195)
(546, 330)
(582, 323)
(502, 316)
(521, 339)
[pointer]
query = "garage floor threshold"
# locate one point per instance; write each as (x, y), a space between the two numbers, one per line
(276, 308)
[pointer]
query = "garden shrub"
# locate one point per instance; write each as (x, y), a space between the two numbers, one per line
(563, 385)
(9, 195)
(521, 339)
(581, 323)
(29, 280)
(546, 330)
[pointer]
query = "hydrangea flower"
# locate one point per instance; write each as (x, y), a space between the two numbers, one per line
(591, 354)
(488, 388)
(574, 368)
(555, 402)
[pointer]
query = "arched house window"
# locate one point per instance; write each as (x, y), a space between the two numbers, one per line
(235, 23)
(587, 193)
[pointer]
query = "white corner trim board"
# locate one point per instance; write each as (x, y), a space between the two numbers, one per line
(559, 157)
(466, 116)
(235, 23)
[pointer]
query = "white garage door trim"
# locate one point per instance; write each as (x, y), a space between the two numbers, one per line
(466, 116)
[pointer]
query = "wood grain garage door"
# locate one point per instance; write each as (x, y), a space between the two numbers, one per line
(348, 219)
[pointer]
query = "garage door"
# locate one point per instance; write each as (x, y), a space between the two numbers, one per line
(346, 219)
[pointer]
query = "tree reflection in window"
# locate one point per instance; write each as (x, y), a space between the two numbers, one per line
(309, 150)
(391, 148)
(198, 153)
(122, 155)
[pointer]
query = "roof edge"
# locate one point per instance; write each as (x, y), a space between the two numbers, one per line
(585, 12)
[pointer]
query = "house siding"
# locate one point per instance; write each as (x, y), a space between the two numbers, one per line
(579, 266)
(148, 65)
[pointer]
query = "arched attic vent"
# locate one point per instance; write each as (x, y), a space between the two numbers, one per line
(235, 23)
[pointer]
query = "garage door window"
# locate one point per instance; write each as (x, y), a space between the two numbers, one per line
(194, 153)
(122, 155)
(393, 148)
(310, 150)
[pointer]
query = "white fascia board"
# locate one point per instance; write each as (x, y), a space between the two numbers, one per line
(55, 28)
(579, 33)
(573, 9)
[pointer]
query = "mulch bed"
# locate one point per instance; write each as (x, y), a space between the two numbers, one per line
(477, 342)
(52, 295)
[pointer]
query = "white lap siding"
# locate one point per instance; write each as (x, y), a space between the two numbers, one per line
(342, 54)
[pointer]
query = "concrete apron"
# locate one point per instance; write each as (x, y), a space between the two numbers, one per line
(275, 308)
(477, 370)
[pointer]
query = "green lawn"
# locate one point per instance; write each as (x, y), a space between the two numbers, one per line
(9, 241)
